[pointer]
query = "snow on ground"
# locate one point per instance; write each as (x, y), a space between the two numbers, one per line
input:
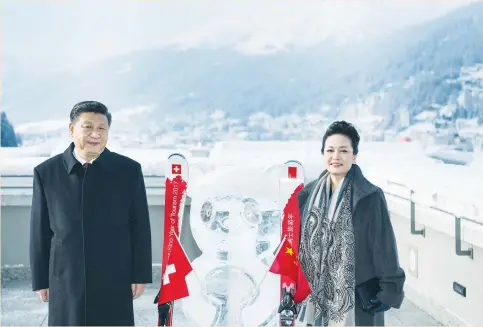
(22, 307)
(453, 188)
(43, 127)
(40, 150)
(19, 166)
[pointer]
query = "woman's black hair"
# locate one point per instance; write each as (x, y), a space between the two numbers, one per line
(344, 128)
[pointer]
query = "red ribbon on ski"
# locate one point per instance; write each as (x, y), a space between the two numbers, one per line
(175, 190)
(174, 193)
(291, 229)
(291, 218)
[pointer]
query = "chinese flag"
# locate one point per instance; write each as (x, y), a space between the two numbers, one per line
(174, 285)
(286, 263)
(303, 287)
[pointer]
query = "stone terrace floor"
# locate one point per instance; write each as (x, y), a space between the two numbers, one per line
(22, 307)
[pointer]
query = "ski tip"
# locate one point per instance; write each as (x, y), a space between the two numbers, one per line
(176, 154)
(293, 169)
(293, 162)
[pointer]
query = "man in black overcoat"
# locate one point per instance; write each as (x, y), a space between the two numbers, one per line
(90, 237)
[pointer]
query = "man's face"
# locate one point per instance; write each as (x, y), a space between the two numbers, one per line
(90, 133)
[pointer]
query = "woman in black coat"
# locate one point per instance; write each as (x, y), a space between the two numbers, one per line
(347, 247)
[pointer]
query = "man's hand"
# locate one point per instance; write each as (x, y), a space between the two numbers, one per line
(43, 294)
(137, 290)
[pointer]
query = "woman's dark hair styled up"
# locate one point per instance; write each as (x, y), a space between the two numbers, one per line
(344, 128)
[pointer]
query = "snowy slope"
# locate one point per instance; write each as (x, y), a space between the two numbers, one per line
(412, 69)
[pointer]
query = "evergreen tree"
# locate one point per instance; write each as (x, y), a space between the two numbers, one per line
(8, 137)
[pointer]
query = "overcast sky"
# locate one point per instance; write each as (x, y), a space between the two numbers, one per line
(80, 32)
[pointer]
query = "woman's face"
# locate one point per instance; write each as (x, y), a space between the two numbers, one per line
(338, 154)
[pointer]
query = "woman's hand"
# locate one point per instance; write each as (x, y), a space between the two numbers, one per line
(378, 307)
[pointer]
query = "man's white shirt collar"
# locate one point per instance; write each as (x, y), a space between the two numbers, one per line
(80, 159)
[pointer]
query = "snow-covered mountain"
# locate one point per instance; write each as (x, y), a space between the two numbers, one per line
(285, 25)
(380, 80)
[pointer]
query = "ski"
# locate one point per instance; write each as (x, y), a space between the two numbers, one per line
(176, 183)
(291, 182)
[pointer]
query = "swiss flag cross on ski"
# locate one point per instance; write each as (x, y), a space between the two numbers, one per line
(178, 266)
(176, 169)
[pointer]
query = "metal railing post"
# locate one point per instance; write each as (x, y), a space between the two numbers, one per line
(457, 234)
(414, 231)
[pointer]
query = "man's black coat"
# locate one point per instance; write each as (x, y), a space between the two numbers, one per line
(90, 238)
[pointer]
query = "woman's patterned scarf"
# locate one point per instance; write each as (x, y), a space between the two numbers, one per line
(327, 253)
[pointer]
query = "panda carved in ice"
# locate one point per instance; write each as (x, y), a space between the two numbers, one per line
(236, 225)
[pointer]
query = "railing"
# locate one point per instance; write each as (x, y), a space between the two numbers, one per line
(24, 182)
(16, 190)
(20, 179)
(156, 182)
(457, 219)
(412, 203)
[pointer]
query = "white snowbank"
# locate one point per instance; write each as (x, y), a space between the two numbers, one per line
(453, 188)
